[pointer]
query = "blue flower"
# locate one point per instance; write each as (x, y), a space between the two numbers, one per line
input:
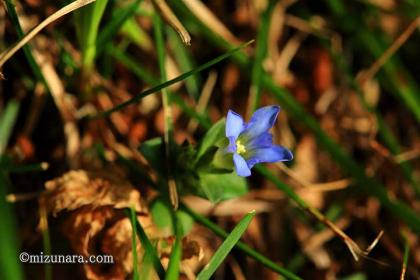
(251, 143)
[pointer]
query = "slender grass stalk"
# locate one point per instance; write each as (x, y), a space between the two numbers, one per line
(144, 75)
(146, 270)
(240, 245)
(35, 167)
(181, 77)
(114, 24)
(11, 11)
(46, 240)
(167, 110)
(175, 258)
(185, 62)
(405, 257)
(133, 218)
(10, 267)
(356, 251)
(8, 53)
(260, 54)
(224, 249)
(147, 245)
(7, 122)
(87, 27)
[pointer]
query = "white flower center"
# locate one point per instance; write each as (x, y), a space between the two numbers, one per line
(240, 148)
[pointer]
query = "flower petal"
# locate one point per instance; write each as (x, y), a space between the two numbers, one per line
(261, 121)
(234, 124)
(271, 154)
(241, 166)
(231, 148)
(264, 140)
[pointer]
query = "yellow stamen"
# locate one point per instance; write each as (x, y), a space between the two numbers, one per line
(240, 149)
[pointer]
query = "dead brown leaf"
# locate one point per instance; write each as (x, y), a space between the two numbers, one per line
(79, 188)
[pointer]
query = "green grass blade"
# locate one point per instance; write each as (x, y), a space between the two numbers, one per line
(146, 270)
(114, 24)
(226, 247)
(133, 218)
(7, 122)
(134, 33)
(181, 77)
(185, 62)
(35, 167)
(11, 10)
(144, 75)
(240, 245)
(260, 54)
(175, 258)
(10, 267)
(405, 256)
(147, 245)
(87, 26)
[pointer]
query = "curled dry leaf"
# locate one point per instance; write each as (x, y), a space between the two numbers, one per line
(98, 226)
(79, 188)
(105, 231)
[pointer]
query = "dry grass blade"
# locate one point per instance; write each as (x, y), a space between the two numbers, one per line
(366, 76)
(320, 187)
(7, 54)
(170, 18)
(406, 156)
(204, 100)
(62, 101)
(209, 19)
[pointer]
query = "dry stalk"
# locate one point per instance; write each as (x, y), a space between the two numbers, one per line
(7, 54)
(170, 18)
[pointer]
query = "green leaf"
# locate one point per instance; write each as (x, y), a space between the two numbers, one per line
(185, 221)
(161, 214)
(212, 137)
(218, 187)
(153, 151)
(226, 247)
